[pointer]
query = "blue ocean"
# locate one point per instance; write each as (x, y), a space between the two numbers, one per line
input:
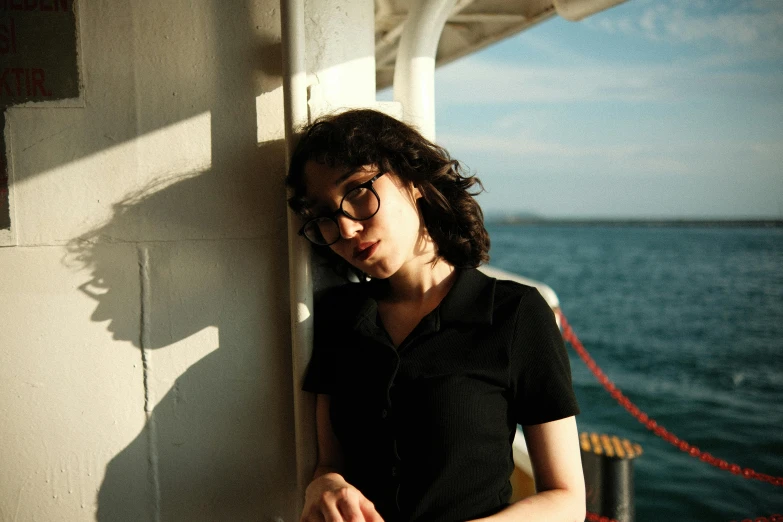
(688, 322)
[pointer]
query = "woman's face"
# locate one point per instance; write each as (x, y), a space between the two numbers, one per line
(378, 246)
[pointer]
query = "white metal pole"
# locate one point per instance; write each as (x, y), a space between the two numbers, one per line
(300, 276)
(414, 71)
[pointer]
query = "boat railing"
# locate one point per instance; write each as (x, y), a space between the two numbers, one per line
(651, 424)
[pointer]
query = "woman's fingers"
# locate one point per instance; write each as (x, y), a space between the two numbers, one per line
(350, 505)
(329, 498)
(368, 511)
(323, 509)
(330, 512)
(347, 505)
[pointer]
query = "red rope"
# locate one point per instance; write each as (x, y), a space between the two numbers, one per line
(771, 518)
(652, 425)
(594, 517)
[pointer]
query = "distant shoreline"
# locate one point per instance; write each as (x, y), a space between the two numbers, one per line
(736, 223)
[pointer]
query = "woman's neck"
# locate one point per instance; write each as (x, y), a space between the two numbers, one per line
(421, 280)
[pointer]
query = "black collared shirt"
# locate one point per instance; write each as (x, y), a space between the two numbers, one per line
(426, 429)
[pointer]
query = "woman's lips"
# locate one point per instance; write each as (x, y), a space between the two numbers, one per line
(365, 251)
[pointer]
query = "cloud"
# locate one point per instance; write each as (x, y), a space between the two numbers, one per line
(642, 158)
(738, 24)
(719, 39)
(765, 150)
(523, 145)
(479, 81)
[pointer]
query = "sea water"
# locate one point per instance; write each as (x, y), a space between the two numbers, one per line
(688, 323)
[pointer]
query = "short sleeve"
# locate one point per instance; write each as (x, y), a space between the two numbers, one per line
(540, 372)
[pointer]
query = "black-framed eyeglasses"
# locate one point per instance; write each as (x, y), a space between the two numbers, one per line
(360, 203)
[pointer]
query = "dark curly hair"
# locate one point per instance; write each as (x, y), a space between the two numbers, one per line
(362, 137)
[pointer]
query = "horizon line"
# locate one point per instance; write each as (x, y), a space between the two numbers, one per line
(671, 221)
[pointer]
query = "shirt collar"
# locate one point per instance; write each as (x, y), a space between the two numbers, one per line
(470, 301)
(365, 319)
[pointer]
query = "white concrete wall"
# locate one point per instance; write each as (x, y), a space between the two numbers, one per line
(342, 73)
(145, 365)
(145, 371)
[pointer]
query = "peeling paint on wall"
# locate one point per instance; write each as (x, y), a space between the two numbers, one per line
(38, 63)
(5, 211)
(38, 46)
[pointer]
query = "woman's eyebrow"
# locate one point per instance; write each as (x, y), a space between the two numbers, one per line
(346, 176)
(313, 207)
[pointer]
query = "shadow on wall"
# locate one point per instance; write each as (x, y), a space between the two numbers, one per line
(216, 444)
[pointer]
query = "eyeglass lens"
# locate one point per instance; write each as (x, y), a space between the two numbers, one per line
(358, 204)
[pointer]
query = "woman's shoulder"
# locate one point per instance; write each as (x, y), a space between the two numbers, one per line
(524, 306)
(512, 292)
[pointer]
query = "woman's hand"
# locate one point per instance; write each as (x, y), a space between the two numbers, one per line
(330, 498)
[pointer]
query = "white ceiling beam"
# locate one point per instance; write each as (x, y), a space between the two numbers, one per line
(486, 17)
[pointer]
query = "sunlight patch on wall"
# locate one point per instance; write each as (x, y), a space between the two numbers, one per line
(166, 365)
(64, 201)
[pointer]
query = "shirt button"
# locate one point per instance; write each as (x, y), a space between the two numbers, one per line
(395, 471)
(384, 413)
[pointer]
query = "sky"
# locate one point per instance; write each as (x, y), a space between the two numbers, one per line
(651, 109)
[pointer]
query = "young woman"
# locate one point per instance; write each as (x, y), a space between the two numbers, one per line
(423, 373)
